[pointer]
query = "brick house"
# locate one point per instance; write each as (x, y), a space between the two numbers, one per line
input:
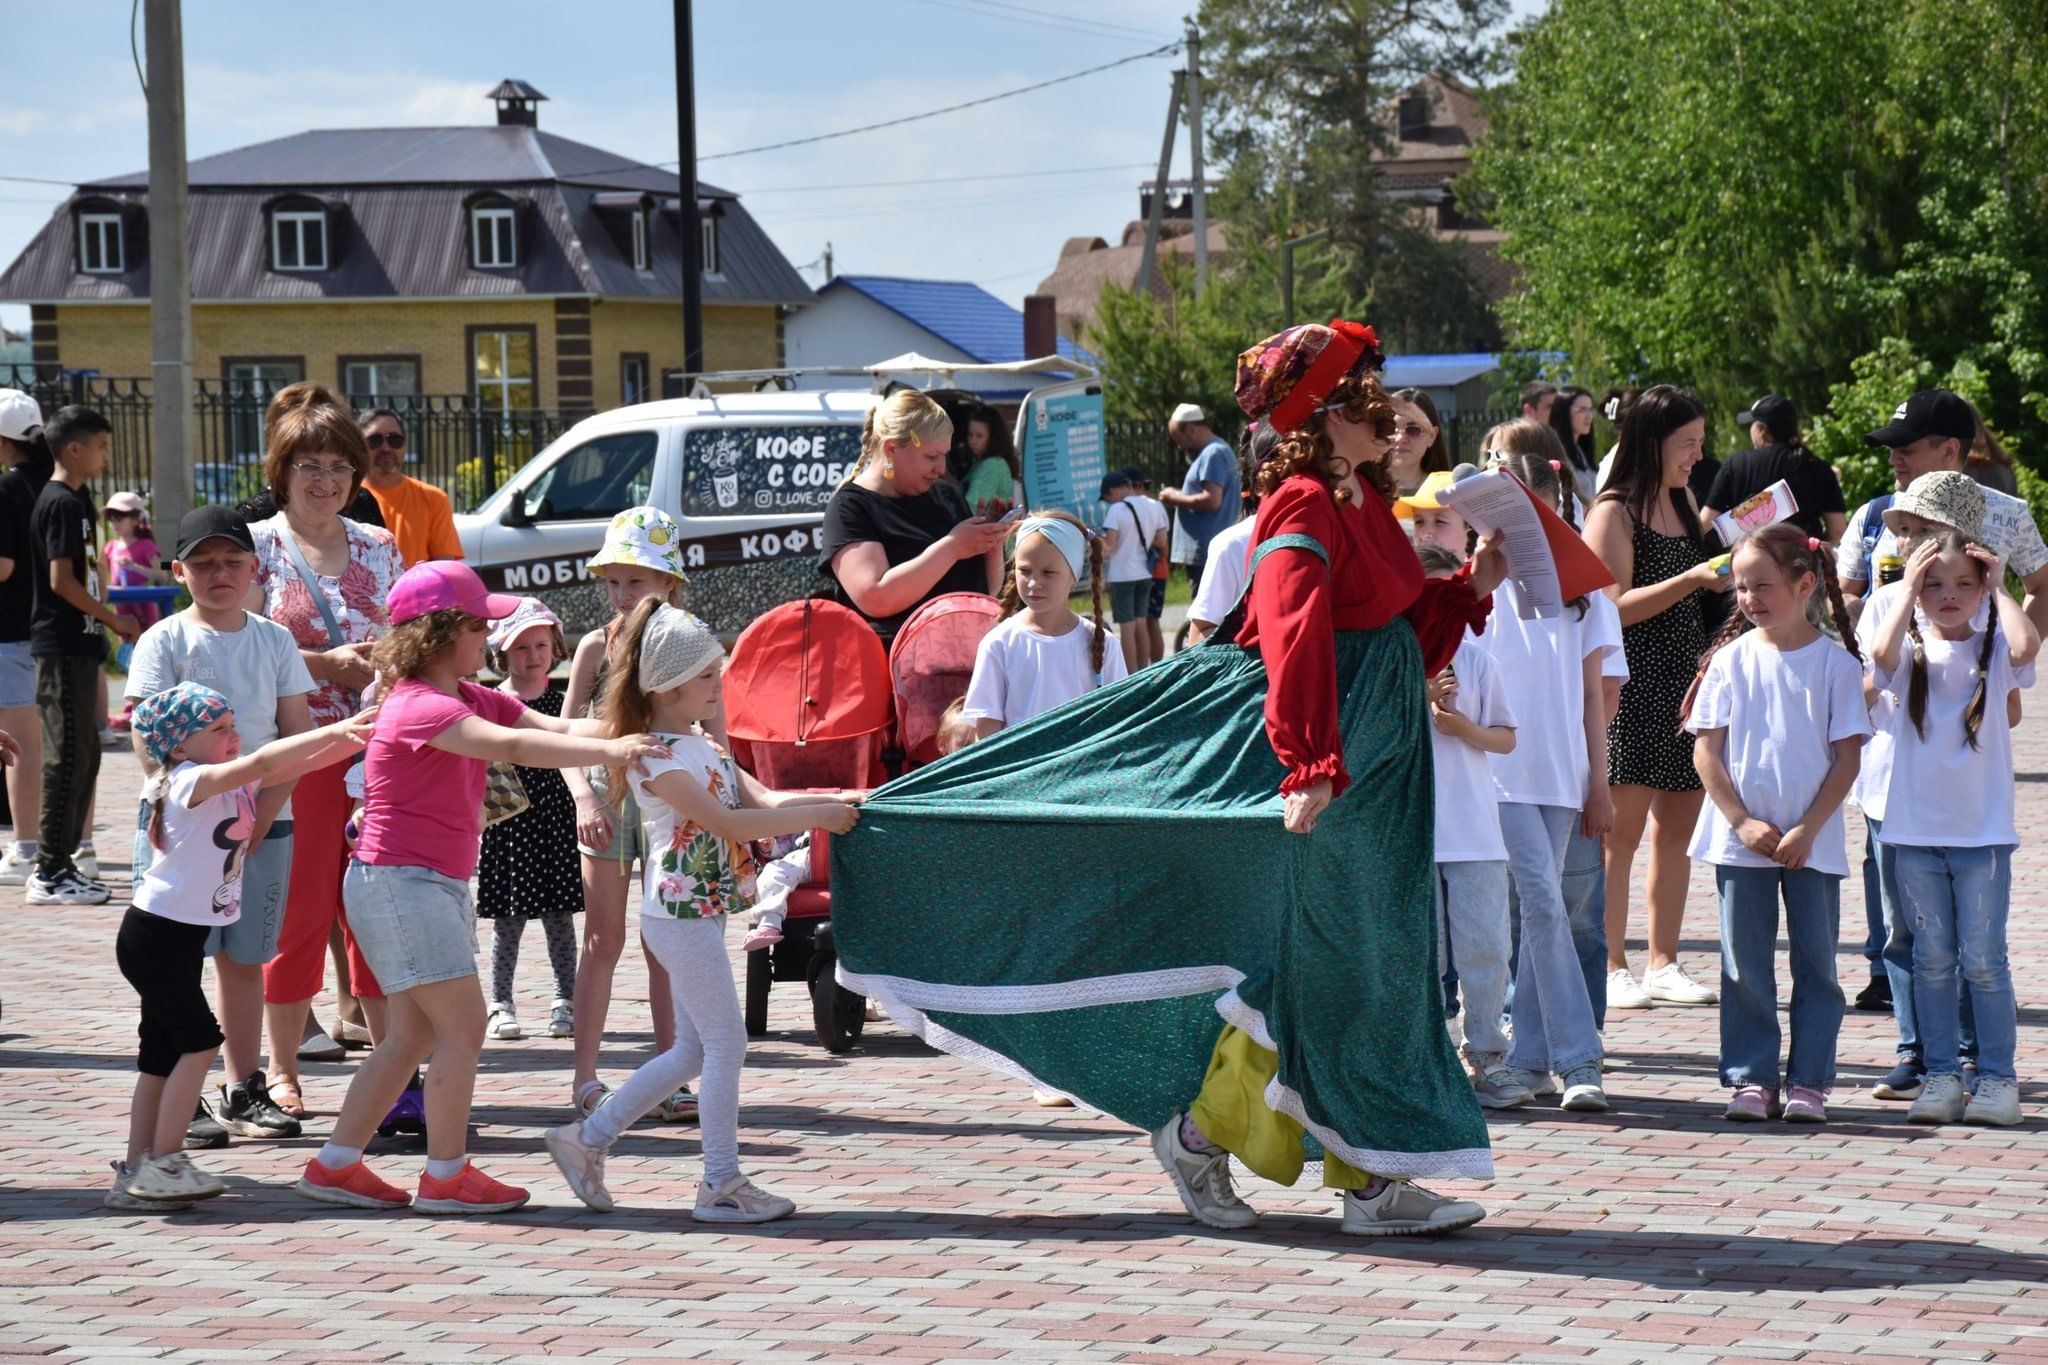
(497, 261)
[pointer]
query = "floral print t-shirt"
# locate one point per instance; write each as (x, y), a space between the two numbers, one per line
(693, 873)
(356, 598)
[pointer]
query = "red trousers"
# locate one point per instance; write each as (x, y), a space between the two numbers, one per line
(312, 904)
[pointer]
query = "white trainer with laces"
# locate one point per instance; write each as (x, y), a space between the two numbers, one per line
(739, 1200)
(174, 1178)
(1582, 1092)
(1670, 984)
(1538, 1083)
(119, 1198)
(66, 888)
(1996, 1104)
(1202, 1179)
(581, 1164)
(1623, 993)
(1406, 1210)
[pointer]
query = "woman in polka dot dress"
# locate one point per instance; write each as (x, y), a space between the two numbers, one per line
(526, 871)
(1646, 527)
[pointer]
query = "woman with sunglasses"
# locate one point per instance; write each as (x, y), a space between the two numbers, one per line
(417, 513)
(324, 577)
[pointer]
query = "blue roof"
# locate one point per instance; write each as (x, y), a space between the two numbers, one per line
(964, 315)
(1436, 371)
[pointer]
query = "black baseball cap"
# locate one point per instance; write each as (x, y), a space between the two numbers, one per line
(1777, 414)
(1136, 475)
(213, 521)
(1115, 479)
(1930, 412)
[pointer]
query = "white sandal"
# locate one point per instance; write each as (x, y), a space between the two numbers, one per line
(590, 1096)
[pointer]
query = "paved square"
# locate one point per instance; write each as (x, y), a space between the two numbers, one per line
(945, 1217)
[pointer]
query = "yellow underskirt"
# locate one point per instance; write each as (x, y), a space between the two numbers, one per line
(1232, 1112)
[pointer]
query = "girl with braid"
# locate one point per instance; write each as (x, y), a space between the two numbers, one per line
(1780, 717)
(1043, 653)
(1949, 811)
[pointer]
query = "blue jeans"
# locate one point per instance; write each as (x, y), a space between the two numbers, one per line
(1958, 899)
(1898, 958)
(1749, 986)
(1873, 903)
(1552, 1012)
(1472, 912)
(1584, 885)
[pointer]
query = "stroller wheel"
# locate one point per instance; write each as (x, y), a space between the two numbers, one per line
(838, 1014)
(760, 976)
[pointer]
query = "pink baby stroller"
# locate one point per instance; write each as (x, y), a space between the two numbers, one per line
(808, 709)
(930, 664)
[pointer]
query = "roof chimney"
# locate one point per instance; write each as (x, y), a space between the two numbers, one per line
(1041, 326)
(517, 104)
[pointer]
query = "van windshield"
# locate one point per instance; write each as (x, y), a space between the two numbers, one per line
(733, 471)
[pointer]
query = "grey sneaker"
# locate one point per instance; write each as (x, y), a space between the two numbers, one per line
(1202, 1179)
(739, 1200)
(1582, 1092)
(1941, 1100)
(1535, 1082)
(1405, 1210)
(1499, 1088)
(581, 1164)
(173, 1179)
(119, 1198)
(1996, 1103)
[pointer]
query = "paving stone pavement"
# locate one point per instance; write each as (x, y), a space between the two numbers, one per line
(945, 1217)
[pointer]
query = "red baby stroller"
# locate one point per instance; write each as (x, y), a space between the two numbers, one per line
(930, 665)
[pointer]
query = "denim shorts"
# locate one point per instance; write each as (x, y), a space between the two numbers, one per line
(413, 925)
(1128, 600)
(628, 843)
(17, 677)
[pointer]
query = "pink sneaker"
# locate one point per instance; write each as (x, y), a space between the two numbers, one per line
(761, 936)
(1804, 1104)
(1753, 1104)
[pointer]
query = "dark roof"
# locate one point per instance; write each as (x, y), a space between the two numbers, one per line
(963, 315)
(514, 90)
(399, 228)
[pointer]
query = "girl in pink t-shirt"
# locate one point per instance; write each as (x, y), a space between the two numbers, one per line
(407, 888)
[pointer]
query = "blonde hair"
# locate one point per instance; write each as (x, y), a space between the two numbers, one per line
(905, 415)
(404, 651)
(1013, 601)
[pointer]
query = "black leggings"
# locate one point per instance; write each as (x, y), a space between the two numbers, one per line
(67, 689)
(164, 960)
(506, 931)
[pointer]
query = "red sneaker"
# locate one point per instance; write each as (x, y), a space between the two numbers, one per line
(355, 1186)
(469, 1191)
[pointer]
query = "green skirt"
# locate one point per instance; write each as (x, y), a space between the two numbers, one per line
(1077, 900)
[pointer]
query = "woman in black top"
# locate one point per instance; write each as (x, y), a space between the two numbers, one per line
(896, 533)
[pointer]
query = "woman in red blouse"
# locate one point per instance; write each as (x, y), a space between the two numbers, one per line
(1312, 934)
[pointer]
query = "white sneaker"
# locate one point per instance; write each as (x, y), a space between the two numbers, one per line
(561, 1020)
(1941, 1100)
(1402, 1209)
(582, 1165)
(1582, 1092)
(504, 1024)
(119, 1198)
(1202, 1179)
(1670, 984)
(1535, 1082)
(173, 1179)
(739, 1200)
(87, 861)
(66, 888)
(1996, 1103)
(1623, 993)
(15, 871)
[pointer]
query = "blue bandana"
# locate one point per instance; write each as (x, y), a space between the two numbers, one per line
(1070, 540)
(172, 716)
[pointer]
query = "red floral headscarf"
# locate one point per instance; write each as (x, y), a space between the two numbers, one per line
(1284, 377)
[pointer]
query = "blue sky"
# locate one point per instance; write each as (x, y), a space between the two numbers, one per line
(766, 72)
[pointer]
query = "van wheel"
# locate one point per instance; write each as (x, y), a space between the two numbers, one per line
(760, 976)
(837, 1013)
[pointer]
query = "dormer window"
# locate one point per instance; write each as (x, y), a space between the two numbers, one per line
(640, 239)
(102, 249)
(298, 239)
(708, 226)
(493, 233)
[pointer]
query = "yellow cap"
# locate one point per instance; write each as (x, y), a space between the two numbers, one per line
(1430, 495)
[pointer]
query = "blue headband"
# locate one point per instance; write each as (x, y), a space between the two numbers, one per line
(1069, 539)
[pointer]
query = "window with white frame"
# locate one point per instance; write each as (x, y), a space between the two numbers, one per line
(639, 239)
(503, 366)
(100, 248)
(380, 383)
(298, 239)
(708, 226)
(493, 235)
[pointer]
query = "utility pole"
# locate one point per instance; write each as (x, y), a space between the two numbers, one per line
(687, 222)
(828, 263)
(1201, 190)
(170, 298)
(1157, 208)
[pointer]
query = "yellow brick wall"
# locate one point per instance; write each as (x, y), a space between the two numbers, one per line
(114, 338)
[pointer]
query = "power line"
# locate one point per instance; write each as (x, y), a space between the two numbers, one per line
(946, 180)
(1042, 19)
(1160, 51)
(37, 180)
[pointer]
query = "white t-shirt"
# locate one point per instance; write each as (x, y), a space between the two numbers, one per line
(1467, 807)
(1543, 661)
(1224, 574)
(251, 667)
(692, 873)
(1127, 561)
(1019, 673)
(196, 877)
(1943, 793)
(1875, 776)
(1783, 713)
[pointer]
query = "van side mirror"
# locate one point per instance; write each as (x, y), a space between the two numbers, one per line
(515, 513)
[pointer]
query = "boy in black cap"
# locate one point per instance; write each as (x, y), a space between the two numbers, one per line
(256, 665)
(1779, 453)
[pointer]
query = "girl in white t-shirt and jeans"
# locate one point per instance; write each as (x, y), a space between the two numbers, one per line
(701, 814)
(202, 809)
(1949, 811)
(1779, 712)
(1042, 653)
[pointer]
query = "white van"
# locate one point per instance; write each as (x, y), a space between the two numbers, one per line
(747, 476)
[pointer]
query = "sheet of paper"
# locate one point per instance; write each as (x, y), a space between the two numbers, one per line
(1767, 508)
(1499, 502)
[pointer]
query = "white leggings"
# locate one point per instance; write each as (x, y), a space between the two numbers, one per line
(711, 1040)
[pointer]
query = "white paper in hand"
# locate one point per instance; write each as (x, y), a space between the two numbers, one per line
(1767, 508)
(1499, 502)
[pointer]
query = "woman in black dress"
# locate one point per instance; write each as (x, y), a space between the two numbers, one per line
(1646, 527)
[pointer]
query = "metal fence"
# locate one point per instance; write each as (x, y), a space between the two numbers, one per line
(454, 441)
(1145, 445)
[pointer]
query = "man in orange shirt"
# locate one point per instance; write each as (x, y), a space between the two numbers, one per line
(418, 514)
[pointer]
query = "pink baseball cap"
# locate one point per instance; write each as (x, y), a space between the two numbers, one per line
(442, 584)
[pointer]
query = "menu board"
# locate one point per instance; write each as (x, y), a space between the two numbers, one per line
(734, 471)
(1060, 443)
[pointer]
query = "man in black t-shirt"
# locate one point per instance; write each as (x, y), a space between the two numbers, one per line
(1778, 453)
(67, 637)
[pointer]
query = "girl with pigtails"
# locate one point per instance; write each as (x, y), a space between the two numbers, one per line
(1779, 714)
(1948, 818)
(1043, 653)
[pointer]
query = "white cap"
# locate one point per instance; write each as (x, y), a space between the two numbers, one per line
(1188, 412)
(20, 415)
